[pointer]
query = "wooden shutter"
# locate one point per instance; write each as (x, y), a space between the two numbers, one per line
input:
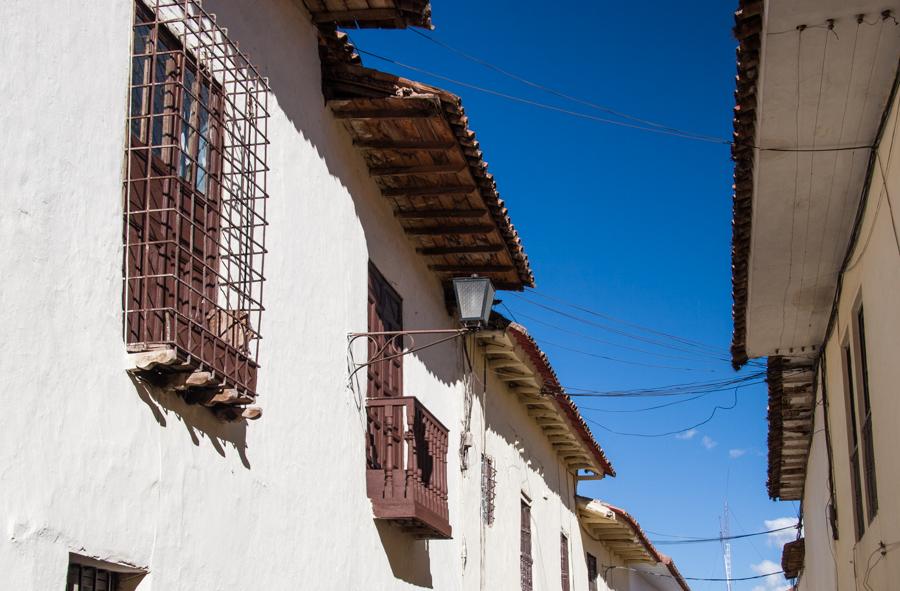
(89, 578)
(592, 572)
(385, 314)
(525, 561)
(564, 561)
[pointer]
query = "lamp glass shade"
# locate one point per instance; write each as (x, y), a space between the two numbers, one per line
(474, 298)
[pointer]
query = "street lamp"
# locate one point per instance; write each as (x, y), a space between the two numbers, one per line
(474, 298)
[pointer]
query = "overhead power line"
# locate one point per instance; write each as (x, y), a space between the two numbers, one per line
(550, 90)
(656, 128)
(719, 539)
(667, 433)
(714, 580)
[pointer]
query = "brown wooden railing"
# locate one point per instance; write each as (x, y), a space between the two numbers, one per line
(406, 473)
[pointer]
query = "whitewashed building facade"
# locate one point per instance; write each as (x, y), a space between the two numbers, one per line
(817, 272)
(197, 213)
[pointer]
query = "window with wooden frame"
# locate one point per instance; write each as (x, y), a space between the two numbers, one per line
(865, 418)
(91, 578)
(525, 559)
(385, 376)
(565, 578)
(195, 194)
(853, 444)
(592, 572)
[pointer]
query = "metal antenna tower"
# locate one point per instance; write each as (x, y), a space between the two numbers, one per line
(726, 546)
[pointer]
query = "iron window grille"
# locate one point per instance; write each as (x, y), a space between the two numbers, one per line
(565, 577)
(195, 194)
(488, 488)
(525, 559)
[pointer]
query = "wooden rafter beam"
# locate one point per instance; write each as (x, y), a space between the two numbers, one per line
(426, 191)
(460, 249)
(437, 231)
(417, 169)
(471, 268)
(425, 214)
(404, 144)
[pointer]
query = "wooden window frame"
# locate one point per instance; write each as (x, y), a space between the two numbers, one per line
(864, 415)
(852, 439)
(593, 572)
(385, 314)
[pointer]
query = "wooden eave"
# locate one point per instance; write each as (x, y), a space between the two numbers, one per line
(616, 529)
(371, 14)
(790, 415)
(792, 558)
(512, 356)
(419, 150)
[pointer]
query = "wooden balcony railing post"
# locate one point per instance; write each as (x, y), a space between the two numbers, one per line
(389, 453)
(408, 442)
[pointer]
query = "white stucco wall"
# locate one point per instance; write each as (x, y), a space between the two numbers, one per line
(526, 463)
(819, 574)
(873, 278)
(91, 462)
(95, 463)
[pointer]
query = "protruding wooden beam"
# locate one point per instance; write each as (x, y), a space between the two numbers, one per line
(404, 145)
(472, 229)
(424, 214)
(471, 268)
(417, 169)
(426, 191)
(460, 249)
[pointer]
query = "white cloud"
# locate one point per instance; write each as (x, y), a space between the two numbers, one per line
(709, 442)
(773, 582)
(736, 453)
(687, 434)
(780, 538)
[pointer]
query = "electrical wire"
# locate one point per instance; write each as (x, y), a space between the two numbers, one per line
(646, 408)
(719, 539)
(547, 343)
(548, 89)
(617, 331)
(666, 434)
(660, 130)
(714, 580)
(630, 324)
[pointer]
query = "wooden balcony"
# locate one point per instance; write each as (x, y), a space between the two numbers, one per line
(406, 473)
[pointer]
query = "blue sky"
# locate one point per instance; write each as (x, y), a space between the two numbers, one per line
(631, 224)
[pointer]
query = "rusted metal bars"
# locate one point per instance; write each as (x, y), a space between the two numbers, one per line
(195, 193)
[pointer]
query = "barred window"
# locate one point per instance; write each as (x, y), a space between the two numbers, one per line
(525, 560)
(195, 194)
(564, 562)
(488, 486)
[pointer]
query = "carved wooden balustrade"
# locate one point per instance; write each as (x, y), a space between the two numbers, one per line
(406, 472)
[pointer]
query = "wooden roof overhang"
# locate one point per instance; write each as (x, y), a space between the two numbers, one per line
(792, 558)
(427, 163)
(371, 14)
(813, 88)
(514, 358)
(621, 533)
(790, 415)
